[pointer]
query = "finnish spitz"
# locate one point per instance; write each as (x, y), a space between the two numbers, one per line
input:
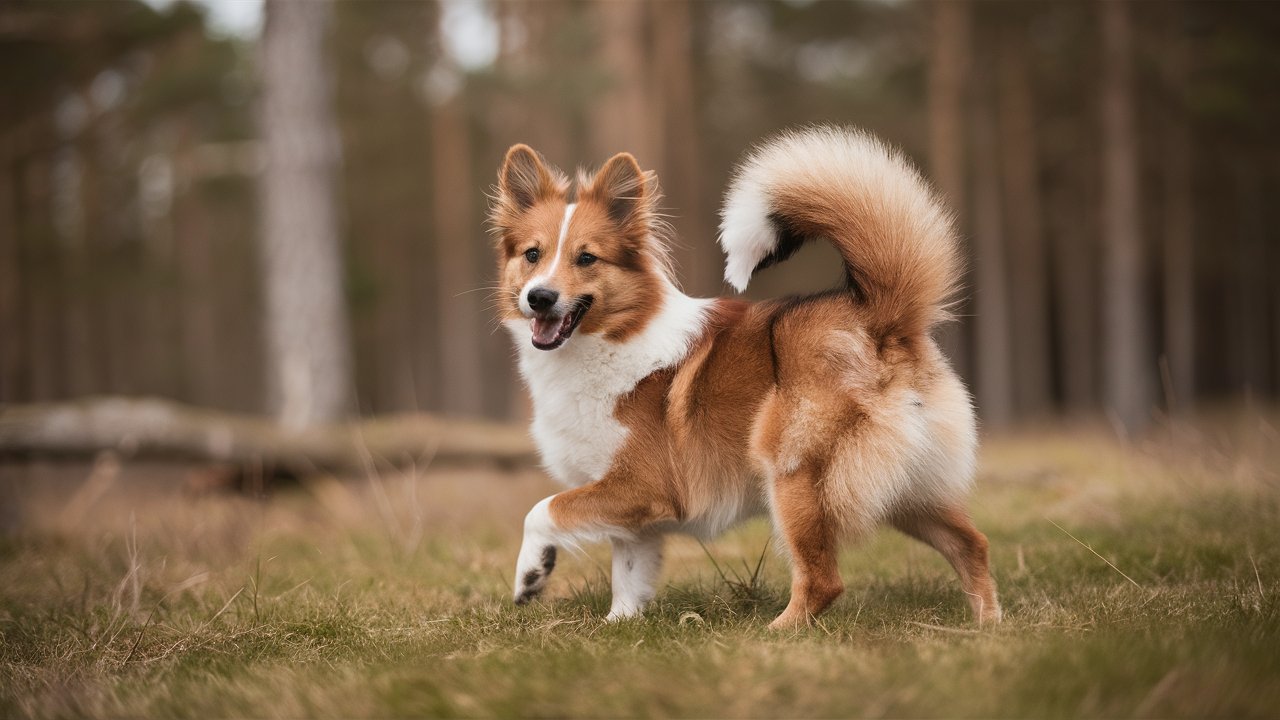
(834, 413)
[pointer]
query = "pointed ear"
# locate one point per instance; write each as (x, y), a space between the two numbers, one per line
(525, 179)
(626, 191)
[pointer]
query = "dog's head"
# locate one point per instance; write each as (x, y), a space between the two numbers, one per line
(589, 258)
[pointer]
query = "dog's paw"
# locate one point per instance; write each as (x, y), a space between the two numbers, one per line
(619, 615)
(992, 615)
(532, 581)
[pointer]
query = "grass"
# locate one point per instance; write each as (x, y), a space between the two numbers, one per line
(1137, 580)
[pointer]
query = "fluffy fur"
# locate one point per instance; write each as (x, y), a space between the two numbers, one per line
(897, 239)
(834, 413)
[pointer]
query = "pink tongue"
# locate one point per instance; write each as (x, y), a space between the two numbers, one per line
(545, 330)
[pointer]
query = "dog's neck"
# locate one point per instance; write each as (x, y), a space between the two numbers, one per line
(575, 388)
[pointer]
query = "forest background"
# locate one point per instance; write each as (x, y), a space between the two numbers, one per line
(1111, 164)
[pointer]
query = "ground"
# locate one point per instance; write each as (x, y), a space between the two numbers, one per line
(1139, 578)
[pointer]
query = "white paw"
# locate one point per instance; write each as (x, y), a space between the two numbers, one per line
(618, 615)
(532, 573)
(626, 608)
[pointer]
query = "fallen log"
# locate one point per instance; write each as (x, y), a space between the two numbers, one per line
(162, 429)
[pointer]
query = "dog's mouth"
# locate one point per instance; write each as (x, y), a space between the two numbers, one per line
(550, 331)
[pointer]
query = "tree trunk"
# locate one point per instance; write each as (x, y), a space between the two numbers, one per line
(462, 320)
(540, 112)
(197, 291)
(12, 373)
(1127, 371)
(1247, 323)
(949, 61)
(308, 347)
(46, 352)
(1074, 246)
(992, 345)
(698, 256)
(1028, 293)
(87, 286)
(1275, 323)
(622, 119)
(1179, 219)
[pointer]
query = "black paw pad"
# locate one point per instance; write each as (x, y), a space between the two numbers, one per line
(532, 581)
(531, 578)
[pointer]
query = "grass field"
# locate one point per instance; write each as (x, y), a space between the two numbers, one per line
(1137, 580)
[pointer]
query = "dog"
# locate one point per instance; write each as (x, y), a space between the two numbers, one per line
(833, 413)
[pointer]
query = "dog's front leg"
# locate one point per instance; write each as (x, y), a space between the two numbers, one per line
(537, 553)
(611, 509)
(636, 565)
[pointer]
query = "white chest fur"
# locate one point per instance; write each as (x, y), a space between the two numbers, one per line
(576, 388)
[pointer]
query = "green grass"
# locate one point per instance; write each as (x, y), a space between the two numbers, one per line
(120, 596)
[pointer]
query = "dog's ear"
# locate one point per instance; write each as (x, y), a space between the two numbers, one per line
(525, 179)
(627, 192)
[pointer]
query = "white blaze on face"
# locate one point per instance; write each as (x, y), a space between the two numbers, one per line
(550, 268)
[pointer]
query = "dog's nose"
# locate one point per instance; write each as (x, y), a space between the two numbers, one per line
(541, 299)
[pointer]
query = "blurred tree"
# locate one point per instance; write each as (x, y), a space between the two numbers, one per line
(538, 99)
(1249, 351)
(46, 348)
(950, 58)
(681, 162)
(308, 343)
(1062, 42)
(65, 161)
(623, 118)
(462, 323)
(1020, 170)
(88, 320)
(992, 341)
(1178, 216)
(1076, 250)
(1125, 331)
(12, 372)
(381, 54)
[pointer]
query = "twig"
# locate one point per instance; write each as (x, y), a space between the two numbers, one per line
(1095, 552)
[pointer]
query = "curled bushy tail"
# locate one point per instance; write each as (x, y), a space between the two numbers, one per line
(898, 240)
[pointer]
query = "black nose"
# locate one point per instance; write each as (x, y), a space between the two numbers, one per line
(541, 299)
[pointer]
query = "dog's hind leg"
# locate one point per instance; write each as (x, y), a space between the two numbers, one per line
(952, 533)
(811, 535)
(636, 566)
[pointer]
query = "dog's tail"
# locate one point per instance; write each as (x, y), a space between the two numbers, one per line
(898, 240)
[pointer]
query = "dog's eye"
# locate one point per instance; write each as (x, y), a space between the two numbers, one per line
(586, 259)
(532, 255)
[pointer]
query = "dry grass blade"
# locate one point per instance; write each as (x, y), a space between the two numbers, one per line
(1095, 552)
(143, 631)
(1262, 595)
